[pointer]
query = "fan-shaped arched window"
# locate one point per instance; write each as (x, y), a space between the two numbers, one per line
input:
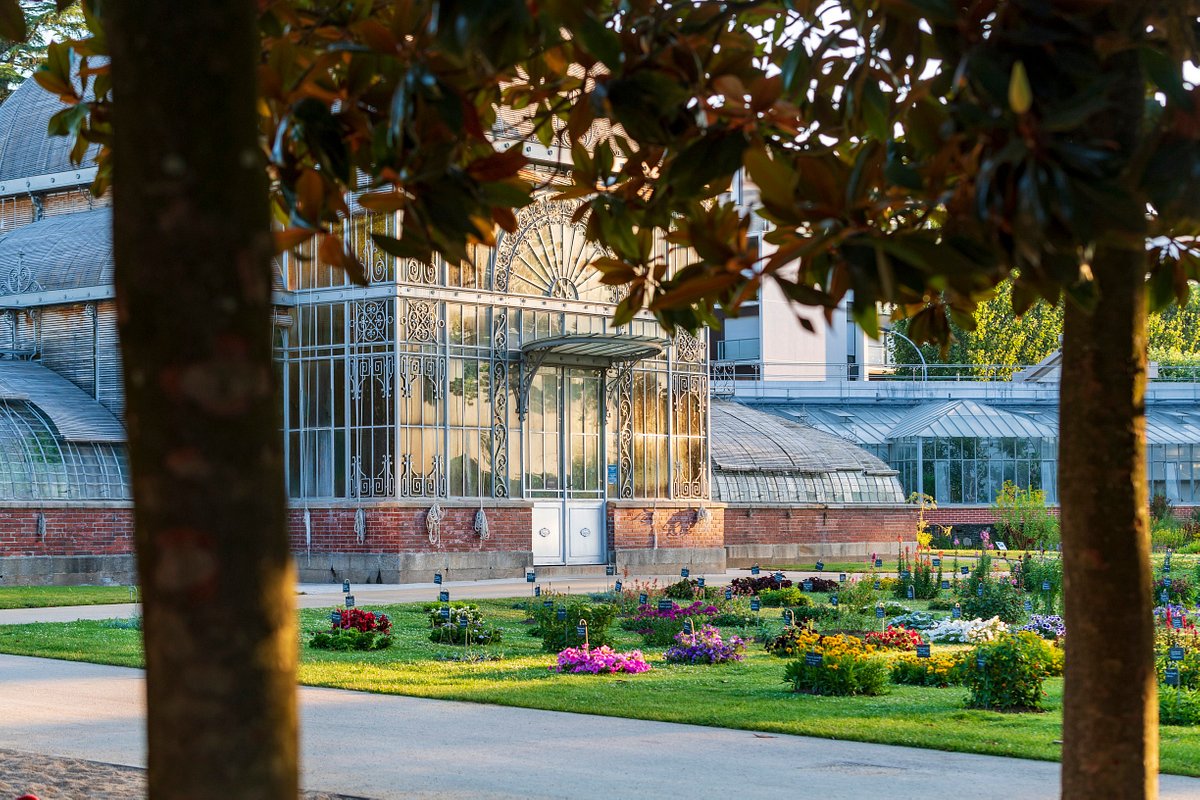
(550, 256)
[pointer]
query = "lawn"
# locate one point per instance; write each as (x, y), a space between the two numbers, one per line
(45, 596)
(750, 695)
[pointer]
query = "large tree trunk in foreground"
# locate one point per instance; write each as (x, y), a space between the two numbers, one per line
(192, 253)
(1110, 715)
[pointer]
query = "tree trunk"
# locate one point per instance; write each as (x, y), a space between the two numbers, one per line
(192, 249)
(1110, 714)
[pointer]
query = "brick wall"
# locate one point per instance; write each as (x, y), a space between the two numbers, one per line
(85, 531)
(401, 529)
(671, 526)
(781, 525)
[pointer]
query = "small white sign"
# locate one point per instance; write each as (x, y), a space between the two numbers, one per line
(1001, 546)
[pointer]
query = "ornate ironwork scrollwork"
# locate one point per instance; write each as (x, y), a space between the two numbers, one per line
(500, 403)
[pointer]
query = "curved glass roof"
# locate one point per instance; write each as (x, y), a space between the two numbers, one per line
(26, 150)
(76, 417)
(762, 458)
(37, 463)
(971, 420)
(71, 251)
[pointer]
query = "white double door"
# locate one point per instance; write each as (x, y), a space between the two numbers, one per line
(565, 466)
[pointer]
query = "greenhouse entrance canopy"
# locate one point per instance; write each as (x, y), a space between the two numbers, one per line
(598, 351)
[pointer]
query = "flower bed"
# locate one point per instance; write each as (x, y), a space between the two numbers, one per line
(756, 583)
(659, 627)
(895, 638)
(465, 626)
(356, 630)
(841, 675)
(940, 669)
(600, 660)
(1050, 626)
(966, 631)
(704, 647)
(795, 641)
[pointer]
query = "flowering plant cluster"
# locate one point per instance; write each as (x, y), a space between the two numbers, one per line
(840, 675)
(796, 641)
(676, 612)
(754, 584)
(940, 669)
(895, 638)
(659, 627)
(1007, 673)
(465, 626)
(1180, 591)
(363, 621)
(704, 647)
(598, 660)
(966, 631)
(1048, 627)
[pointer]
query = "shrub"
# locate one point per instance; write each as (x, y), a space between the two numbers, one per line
(364, 621)
(1178, 707)
(600, 660)
(1023, 519)
(1189, 670)
(839, 675)
(823, 585)
(350, 639)
(1035, 574)
(942, 604)
(857, 593)
(753, 584)
(818, 615)
(966, 631)
(894, 638)
(917, 620)
(1013, 669)
(689, 589)
(705, 646)
(453, 631)
(789, 596)
(561, 634)
(1181, 591)
(940, 669)
(999, 597)
(1160, 507)
(659, 627)
(923, 580)
(1048, 627)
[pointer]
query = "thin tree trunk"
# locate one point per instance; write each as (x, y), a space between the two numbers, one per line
(1110, 715)
(192, 247)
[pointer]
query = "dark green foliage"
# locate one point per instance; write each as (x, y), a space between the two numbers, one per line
(840, 675)
(452, 631)
(1000, 598)
(350, 639)
(1014, 667)
(777, 598)
(559, 634)
(1036, 573)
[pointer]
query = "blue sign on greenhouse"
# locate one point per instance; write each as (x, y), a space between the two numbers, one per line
(612, 473)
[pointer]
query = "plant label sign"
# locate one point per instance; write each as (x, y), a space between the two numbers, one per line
(922, 651)
(700, 582)
(754, 570)
(878, 585)
(581, 630)
(643, 599)
(945, 585)
(1167, 582)
(1175, 654)
(561, 614)
(878, 612)
(1171, 676)
(345, 587)
(1177, 622)
(842, 577)
(911, 593)
(1029, 605)
(728, 594)
(966, 570)
(778, 577)
(530, 577)
(808, 584)
(813, 659)
(444, 612)
(956, 612)
(617, 586)
(665, 605)
(685, 572)
(1045, 586)
(1162, 596)
(610, 569)
(537, 591)
(906, 575)
(349, 601)
(437, 578)
(443, 597)
(547, 604)
(462, 622)
(981, 663)
(336, 618)
(979, 590)
(755, 604)
(820, 566)
(937, 562)
(1001, 546)
(833, 601)
(878, 563)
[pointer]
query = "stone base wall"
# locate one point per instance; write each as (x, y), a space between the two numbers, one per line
(67, 570)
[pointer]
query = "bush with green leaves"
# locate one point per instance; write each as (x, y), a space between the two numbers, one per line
(465, 625)
(1036, 573)
(346, 639)
(841, 675)
(559, 634)
(1023, 520)
(1007, 674)
(998, 598)
(940, 669)
(778, 598)
(690, 589)
(1178, 706)
(856, 593)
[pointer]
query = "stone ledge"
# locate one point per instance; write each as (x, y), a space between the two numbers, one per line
(656, 561)
(67, 570)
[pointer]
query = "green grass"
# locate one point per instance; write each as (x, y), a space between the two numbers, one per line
(45, 596)
(750, 695)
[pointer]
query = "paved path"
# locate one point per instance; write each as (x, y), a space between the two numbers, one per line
(432, 748)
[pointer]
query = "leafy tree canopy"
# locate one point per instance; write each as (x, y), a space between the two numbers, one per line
(43, 21)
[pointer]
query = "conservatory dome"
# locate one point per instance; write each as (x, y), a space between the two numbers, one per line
(762, 458)
(72, 251)
(26, 150)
